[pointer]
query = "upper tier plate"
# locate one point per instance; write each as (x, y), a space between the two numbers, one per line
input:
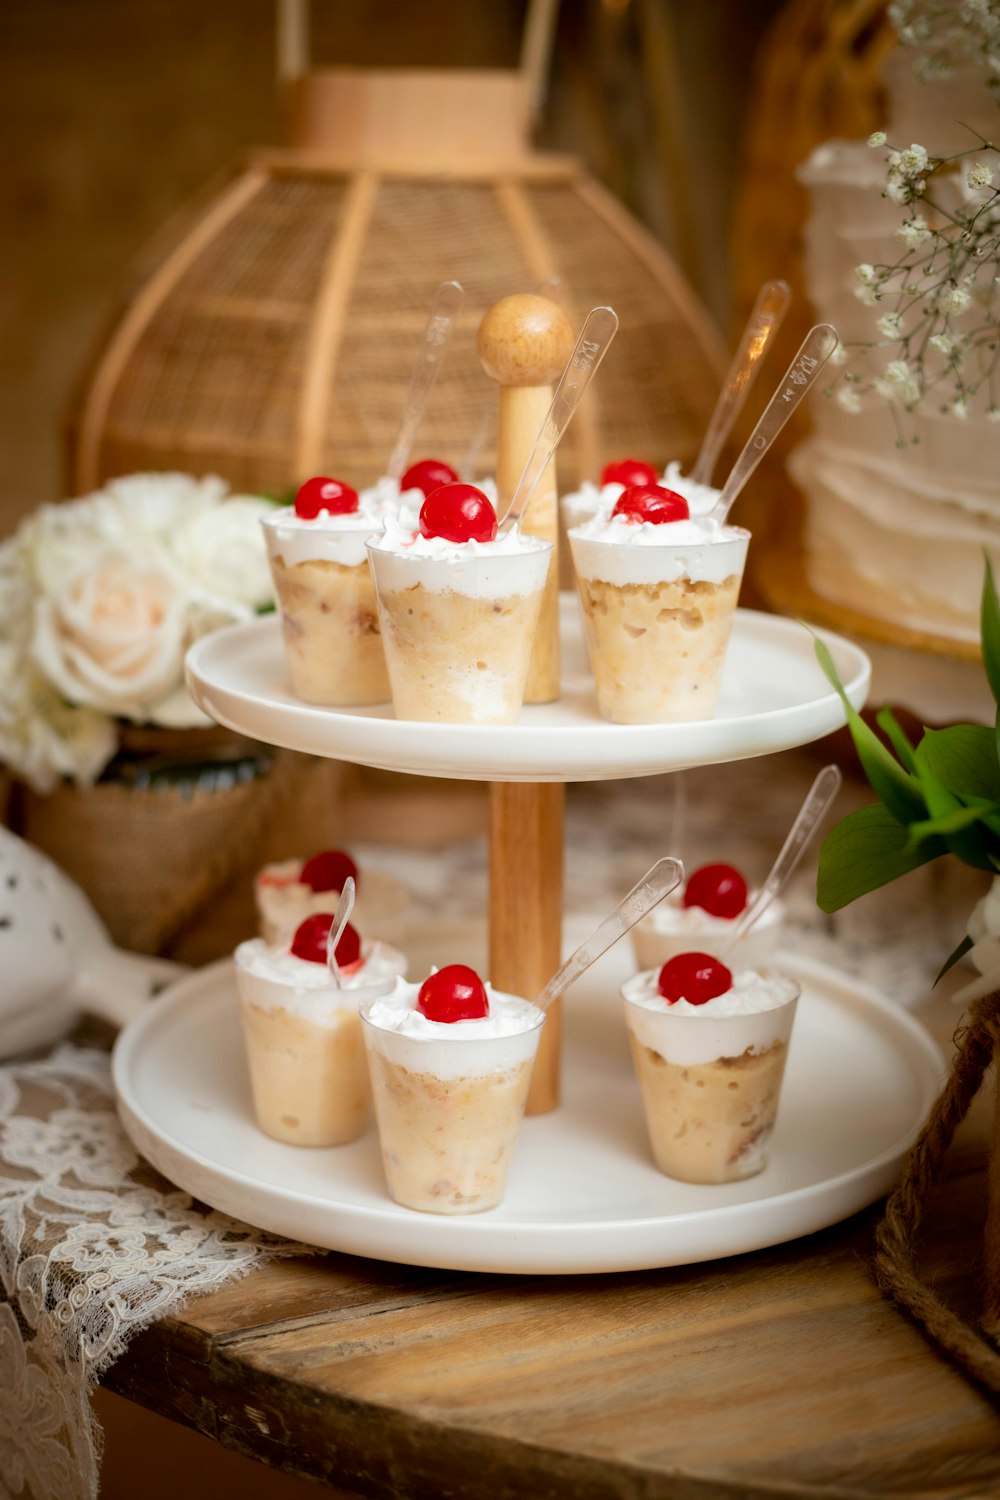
(773, 696)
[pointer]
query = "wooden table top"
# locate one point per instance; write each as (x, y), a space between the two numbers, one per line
(780, 1373)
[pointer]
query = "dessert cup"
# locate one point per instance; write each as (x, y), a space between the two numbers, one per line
(658, 604)
(457, 623)
(326, 600)
(283, 902)
(303, 1040)
(672, 928)
(710, 1075)
(449, 1098)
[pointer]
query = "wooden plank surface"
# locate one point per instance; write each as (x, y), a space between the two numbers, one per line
(781, 1373)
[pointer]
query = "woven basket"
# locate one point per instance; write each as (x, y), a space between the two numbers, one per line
(170, 869)
(273, 337)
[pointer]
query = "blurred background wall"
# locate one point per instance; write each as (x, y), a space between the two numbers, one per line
(115, 112)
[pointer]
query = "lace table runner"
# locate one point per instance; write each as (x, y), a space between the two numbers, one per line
(94, 1245)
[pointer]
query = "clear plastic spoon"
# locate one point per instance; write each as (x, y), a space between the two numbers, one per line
(444, 308)
(658, 882)
(591, 347)
(763, 323)
(816, 348)
(800, 836)
(341, 917)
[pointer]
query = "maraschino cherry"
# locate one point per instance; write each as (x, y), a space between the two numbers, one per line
(458, 513)
(429, 474)
(310, 938)
(331, 495)
(454, 993)
(718, 889)
(629, 472)
(328, 871)
(651, 502)
(694, 977)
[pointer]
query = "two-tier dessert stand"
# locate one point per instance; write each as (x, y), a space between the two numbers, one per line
(583, 1194)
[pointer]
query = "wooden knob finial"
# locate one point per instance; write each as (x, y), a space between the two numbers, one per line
(525, 340)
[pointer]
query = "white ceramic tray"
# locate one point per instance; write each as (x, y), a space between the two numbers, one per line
(583, 1195)
(773, 696)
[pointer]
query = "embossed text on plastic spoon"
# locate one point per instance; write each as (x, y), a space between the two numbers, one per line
(816, 348)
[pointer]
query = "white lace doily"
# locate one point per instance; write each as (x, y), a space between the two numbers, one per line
(93, 1246)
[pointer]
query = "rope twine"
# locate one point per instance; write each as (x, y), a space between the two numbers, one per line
(894, 1265)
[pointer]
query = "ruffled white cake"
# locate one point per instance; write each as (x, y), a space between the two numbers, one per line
(896, 533)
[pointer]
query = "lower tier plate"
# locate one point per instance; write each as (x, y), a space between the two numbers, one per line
(583, 1194)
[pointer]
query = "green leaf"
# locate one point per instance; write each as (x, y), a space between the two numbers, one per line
(893, 731)
(900, 792)
(964, 759)
(954, 821)
(867, 849)
(968, 843)
(989, 623)
(954, 956)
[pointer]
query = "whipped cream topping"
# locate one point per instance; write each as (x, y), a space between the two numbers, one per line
(701, 498)
(511, 564)
(579, 505)
(671, 915)
(326, 538)
(619, 551)
(752, 1016)
(505, 1038)
(385, 496)
(273, 977)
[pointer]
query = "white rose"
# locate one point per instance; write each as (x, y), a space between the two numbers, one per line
(114, 637)
(159, 504)
(42, 738)
(222, 555)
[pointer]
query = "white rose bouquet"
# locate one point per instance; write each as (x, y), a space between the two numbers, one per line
(99, 600)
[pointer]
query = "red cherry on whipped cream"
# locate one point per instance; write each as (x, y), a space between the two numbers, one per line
(629, 472)
(458, 513)
(694, 977)
(328, 871)
(651, 502)
(310, 938)
(718, 889)
(331, 495)
(454, 993)
(428, 475)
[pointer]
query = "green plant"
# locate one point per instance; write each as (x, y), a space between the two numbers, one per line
(938, 796)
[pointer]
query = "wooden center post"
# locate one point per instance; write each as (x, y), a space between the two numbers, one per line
(524, 343)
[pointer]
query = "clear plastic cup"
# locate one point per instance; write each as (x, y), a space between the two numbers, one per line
(448, 1110)
(657, 619)
(305, 1051)
(710, 1083)
(326, 599)
(458, 630)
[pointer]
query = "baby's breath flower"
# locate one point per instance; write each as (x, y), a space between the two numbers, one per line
(890, 325)
(865, 272)
(839, 356)
(898, 191)
(867, 294)
(953, 300)
(944, 343)
(912, 161)
(849, 398)
(960, 408)
(980, 175)
(993, 414)
(914, 231)
(877, 138)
